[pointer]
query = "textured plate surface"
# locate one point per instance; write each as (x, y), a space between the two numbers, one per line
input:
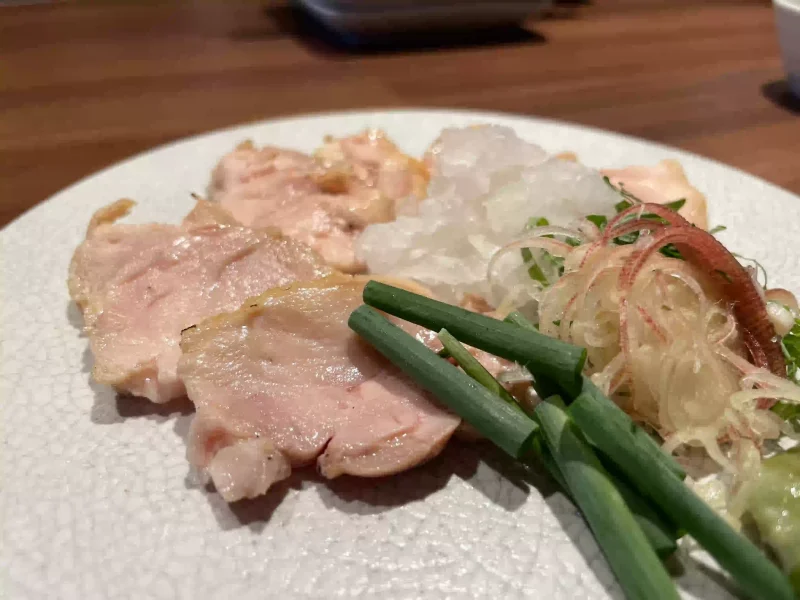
(95, 497)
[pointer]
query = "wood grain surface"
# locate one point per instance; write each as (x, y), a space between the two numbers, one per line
(83, 85)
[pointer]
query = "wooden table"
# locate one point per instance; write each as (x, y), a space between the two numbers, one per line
(83, 85)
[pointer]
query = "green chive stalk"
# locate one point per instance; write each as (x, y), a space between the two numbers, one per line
(756, 575)
(474, 368)
(612, 411)
(639, 571)
(539, 353)
(501, 423)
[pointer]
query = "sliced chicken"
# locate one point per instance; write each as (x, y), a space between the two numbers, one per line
(210, 213)
(663, 183)
(140, 285)
(324, 202)
(284, 382)
(374, 161)
(108, 248)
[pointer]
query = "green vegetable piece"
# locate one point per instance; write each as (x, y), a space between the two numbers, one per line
(659, 530)
(537, 352)
(773, 503)
(790, 344)
(610, 408)
(634, 435)
(661, 534)
(636, 565)
(474, 368)
(536, 222)
(622, 206)
(542, 452)
(629, 199)
(676, 205)
(535, 271)
(789, 413)
(757, 576)
(504, 425)
(600, 220)
(518, 319)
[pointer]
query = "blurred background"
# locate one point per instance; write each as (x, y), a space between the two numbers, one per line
(85, 84)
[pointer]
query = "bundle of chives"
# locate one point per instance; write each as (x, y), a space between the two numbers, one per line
(540, 353)
(636, 565)
(659, 534)
(602, 422)
(757, 576)
(543, 454)
(504, 425)
(658, 529)
(635, 435)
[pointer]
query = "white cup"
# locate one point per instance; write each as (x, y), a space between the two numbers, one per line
(787, 18)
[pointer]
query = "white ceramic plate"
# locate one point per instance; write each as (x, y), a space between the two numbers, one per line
(94, 493)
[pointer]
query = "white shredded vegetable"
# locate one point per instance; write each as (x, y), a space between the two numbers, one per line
(486, 184)
(666, 349)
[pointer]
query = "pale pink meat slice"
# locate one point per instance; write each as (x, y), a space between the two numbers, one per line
(108, 247)
(270, 187)
(325, 201)
(374, 161)
(140, 285)
(285, 371)
(210, 213)
(660, 184)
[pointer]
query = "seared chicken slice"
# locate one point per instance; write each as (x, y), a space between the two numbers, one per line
(210, 213)
(324, 202)
(284, 382)
(372, 160)
(140, 285)
(108, 247)
(663, 183)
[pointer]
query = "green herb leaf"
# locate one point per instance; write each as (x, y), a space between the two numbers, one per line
(622, 205)
(671, 251)
(790, 344)
(788, 412)
(791, 351)
(600, 220)
(676, 205)
(717, 229)
(537, 222)
(629, 199)
(535, 270)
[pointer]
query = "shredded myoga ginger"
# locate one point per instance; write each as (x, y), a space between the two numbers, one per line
(684, 346)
